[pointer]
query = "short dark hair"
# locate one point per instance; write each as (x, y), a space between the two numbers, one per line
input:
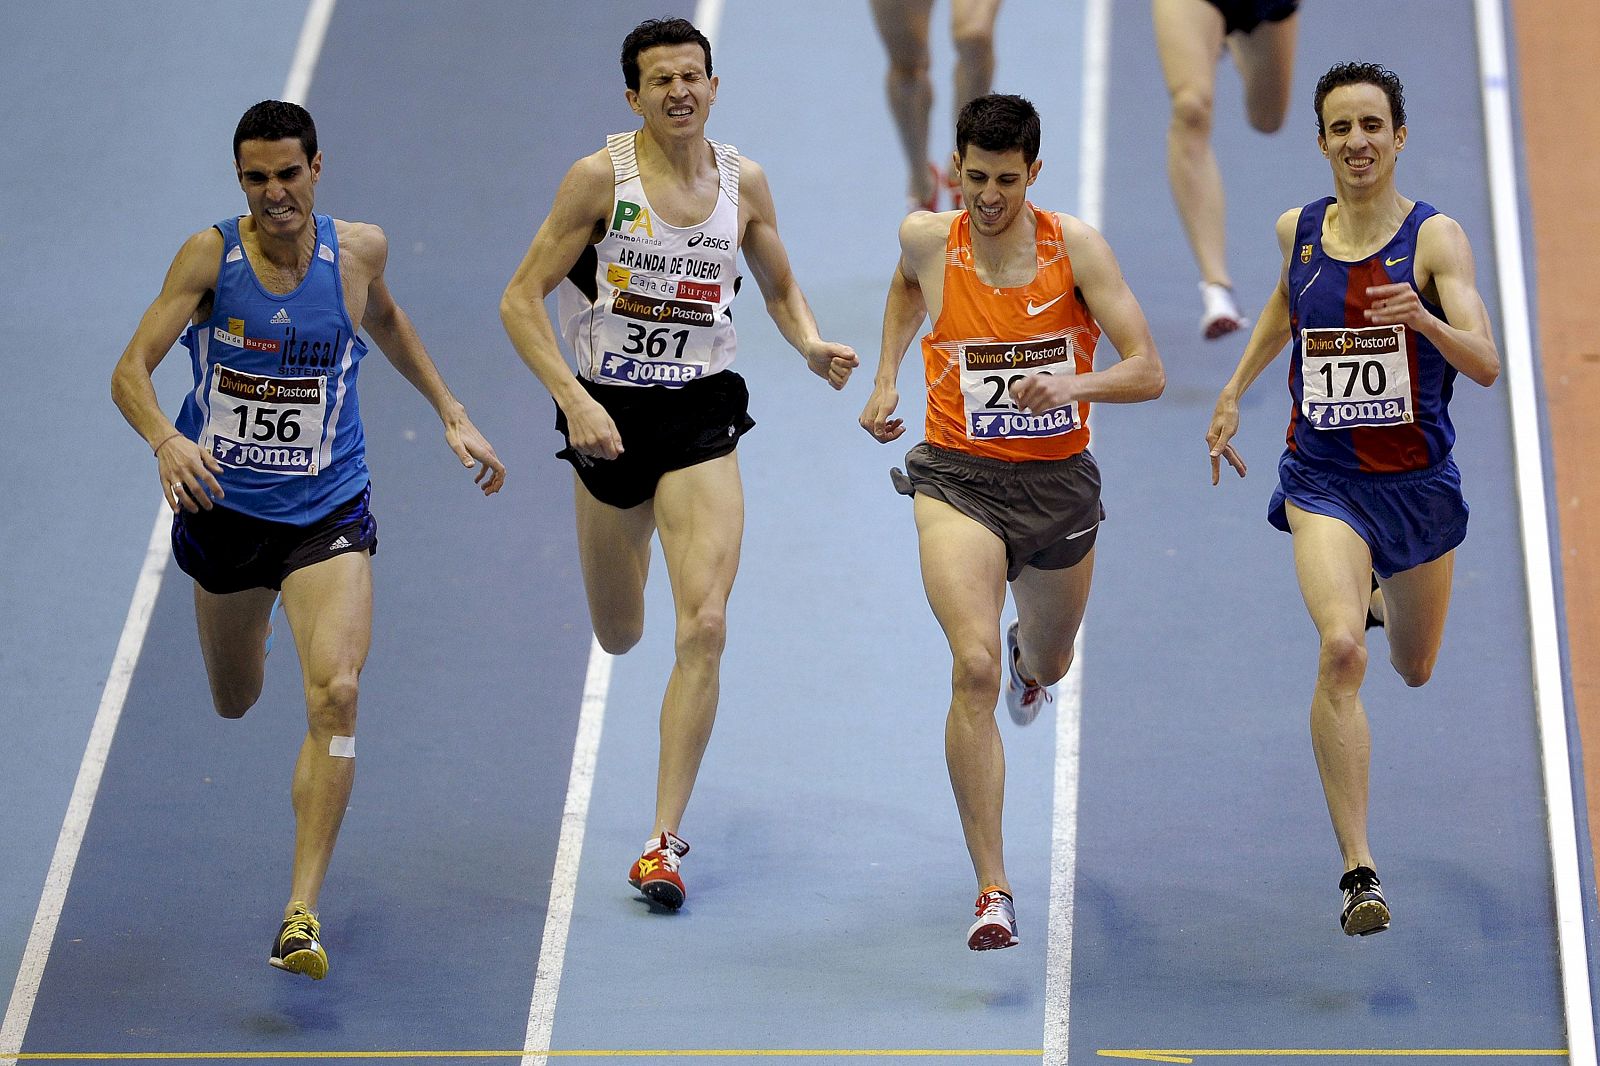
(999, 123)
(1363, 74)
(275, 120)
(653, 33)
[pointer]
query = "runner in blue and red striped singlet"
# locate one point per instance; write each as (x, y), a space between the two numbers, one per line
(1379, 297)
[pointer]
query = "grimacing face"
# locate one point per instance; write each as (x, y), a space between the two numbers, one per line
(675, 95)
(994, 186)
(1359, 137)
(279, 184)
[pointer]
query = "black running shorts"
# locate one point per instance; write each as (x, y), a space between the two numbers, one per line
(226, 551)
(662, 430)
(1243, 16)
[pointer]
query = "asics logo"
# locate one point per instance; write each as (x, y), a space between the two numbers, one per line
(648, 866)
(1395, 262)
(1032, 310)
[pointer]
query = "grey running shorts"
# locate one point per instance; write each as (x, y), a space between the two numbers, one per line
(1045, 511)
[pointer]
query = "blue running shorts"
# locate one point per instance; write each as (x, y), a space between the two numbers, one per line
(1406, 519)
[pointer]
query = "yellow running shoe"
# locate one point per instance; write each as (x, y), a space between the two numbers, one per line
(297, 948)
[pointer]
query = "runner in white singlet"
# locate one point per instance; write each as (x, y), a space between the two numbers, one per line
(642, 240)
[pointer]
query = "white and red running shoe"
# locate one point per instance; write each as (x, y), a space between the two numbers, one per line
(996, 926)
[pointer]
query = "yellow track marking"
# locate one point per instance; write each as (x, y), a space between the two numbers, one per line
(1190, 1054)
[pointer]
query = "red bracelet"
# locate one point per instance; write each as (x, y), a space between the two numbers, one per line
(157, 449)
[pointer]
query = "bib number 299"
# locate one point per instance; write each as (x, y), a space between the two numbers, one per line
(1002, 389)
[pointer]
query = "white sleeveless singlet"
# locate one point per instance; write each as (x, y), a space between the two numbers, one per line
(648, 304)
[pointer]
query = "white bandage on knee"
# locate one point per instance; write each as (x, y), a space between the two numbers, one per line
(342, 747)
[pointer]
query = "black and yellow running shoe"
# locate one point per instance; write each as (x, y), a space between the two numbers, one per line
(1365, 910)
(297, 947)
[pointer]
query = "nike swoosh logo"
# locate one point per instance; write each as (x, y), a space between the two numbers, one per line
(1395, 262)
(1032, 310)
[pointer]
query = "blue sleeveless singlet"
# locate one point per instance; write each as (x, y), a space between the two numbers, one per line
(274, 397)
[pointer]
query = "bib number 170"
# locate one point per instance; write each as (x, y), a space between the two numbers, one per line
(1370, 372)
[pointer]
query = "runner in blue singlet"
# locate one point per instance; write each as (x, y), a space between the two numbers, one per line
(1379, 298)
(265, 469)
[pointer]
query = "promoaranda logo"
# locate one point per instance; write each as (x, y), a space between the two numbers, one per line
(988, 425)
(634, 215)
(700, 240)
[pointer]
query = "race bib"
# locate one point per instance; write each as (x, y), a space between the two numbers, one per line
(269, 424)
(1355, 377)
(656, 341)
(987, 373)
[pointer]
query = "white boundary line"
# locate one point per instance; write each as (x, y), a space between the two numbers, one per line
(1549, 694)
(1069, 707)
(26, 990)
(19, 1010)
(569, 853)
(580, 786)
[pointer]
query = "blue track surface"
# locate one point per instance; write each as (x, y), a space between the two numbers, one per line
(828, 886)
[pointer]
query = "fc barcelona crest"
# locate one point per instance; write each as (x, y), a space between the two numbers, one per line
(1305, 253)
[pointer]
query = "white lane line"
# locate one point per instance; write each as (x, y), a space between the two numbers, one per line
(1092, 122)
(1549, 692)
(1063, 863)
(569, 853)
(307, 51)
(1069, 712)
(26, 989)
(25, 992)
(708, 19)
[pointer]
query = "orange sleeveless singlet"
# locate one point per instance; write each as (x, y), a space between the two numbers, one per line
(986, 338)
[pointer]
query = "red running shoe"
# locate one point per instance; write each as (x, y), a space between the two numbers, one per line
(655, 872)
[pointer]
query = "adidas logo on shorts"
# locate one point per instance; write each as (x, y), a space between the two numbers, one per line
(342, 542)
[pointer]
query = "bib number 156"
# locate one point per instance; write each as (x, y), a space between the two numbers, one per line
(280, 425)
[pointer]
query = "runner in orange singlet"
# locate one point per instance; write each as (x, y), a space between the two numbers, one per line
(1005, 489)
